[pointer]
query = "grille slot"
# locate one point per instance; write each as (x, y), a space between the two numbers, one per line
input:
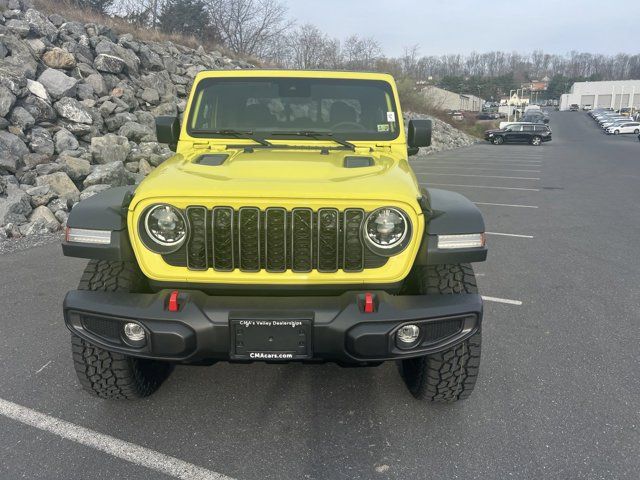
(275, 240)
(197, 246)
(222, 238)
(102, 327)
(327, 246)
(275, 243)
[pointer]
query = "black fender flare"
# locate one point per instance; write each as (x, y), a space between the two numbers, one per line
(106, 210)
(449, 213)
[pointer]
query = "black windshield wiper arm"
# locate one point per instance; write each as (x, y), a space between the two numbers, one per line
(249, 135)
(318, 136)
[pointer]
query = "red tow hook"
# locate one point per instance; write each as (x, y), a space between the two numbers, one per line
(369, 305)
(173, 302)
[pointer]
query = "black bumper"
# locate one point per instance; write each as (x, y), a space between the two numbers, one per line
(336, 328)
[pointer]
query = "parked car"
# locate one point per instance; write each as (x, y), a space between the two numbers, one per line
(574, 107)
(626, 127)
(586, 107)
(532, 133)
(455, 115)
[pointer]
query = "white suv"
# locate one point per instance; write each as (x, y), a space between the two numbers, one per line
(627, 127)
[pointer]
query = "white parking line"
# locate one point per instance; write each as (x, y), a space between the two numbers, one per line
(502, 300)
(509, 235)
(415, 169)
(475, 175)
(127, 451)
(505, 205)
(481, 186)
(483, 164)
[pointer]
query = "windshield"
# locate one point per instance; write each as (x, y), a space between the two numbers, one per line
(280, 107)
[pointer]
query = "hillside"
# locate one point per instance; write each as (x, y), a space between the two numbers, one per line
(77, 108)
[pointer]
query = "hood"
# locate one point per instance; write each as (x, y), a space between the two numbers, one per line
(278, 173)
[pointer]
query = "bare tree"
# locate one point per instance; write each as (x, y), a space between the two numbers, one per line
(310, 48)
(361, 53)
(249, 27)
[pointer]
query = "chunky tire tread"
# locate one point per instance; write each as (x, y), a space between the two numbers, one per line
(450, 375)
(107, 374)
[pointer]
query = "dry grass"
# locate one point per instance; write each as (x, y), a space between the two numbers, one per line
(119, 25)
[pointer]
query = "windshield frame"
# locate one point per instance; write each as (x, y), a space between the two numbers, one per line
(377, 137)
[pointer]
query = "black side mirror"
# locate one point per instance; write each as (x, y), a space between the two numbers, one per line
(168, 131)
(419, 135)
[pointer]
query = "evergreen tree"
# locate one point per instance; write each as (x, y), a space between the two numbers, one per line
(188, 17)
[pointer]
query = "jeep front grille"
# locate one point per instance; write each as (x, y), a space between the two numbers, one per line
(275, 240)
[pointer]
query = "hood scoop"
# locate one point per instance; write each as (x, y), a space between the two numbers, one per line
(358, 162)
(211, 159)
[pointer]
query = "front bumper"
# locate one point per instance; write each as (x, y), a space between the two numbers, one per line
(339, 330)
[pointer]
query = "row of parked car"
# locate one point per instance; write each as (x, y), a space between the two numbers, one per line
(614, 123)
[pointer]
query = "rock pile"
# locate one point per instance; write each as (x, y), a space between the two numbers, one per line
(444, 136)
(77, 108)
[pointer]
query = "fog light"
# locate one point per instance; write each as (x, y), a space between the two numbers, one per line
(407, 335)
(134, 332)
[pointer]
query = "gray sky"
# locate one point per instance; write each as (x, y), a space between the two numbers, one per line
(461, 26)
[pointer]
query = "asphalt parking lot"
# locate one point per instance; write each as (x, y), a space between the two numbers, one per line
(558, 396)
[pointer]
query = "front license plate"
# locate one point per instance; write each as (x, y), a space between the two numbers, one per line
(270, 339)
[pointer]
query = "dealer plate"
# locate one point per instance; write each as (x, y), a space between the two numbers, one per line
(270, 339)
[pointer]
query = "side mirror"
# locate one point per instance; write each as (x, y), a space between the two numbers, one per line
(168, 131)
(418, 135)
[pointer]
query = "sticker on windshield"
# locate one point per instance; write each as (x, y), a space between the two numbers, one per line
(383, 127)
(391, 116)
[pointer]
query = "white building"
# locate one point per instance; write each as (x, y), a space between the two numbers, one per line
(445, 100)
(614, 94)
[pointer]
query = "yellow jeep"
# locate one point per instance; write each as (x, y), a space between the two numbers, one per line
(288, 226)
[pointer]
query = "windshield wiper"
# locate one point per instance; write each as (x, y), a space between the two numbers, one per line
(249, 135)
(317, 136)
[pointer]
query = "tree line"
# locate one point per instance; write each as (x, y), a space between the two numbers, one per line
(262, 29)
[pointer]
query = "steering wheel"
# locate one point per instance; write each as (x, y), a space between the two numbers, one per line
(355, 125)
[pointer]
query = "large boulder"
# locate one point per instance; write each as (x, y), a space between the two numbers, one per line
(58, 84)
(41, 195)
(59, 58)
(7, 99)
(22, 119)
(113, 174)
(15, 207)
(137, 132)
(108, 63)
(65, 140)
(73, 110)
(110, 148)
(37, 89)
(12, 149)
(62, 185)
(41, 141)
(44, 215)
(77, 168)
(130, 59)
(40, 25)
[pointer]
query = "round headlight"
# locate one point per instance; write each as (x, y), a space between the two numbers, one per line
(165, 228)
(387, 231)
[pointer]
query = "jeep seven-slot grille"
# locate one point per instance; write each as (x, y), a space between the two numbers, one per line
(275, 240)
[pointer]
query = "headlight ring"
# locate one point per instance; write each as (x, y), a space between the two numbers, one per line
(387, 231)
(163, 228)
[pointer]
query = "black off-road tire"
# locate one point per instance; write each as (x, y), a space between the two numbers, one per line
(450, 375)
(107, 374)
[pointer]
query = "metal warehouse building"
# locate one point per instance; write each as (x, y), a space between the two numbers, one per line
(614, 94)
(445, 100)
